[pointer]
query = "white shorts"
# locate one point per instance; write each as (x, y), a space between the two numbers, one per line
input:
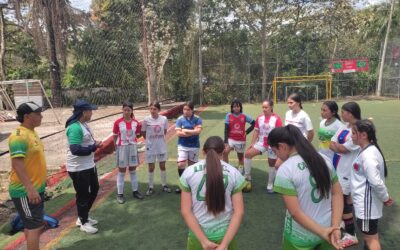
(127, 156)
(185, 153)
(152, 158)
(260, 147)
(345, 184)
(238, 146)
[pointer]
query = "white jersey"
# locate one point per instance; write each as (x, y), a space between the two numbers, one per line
(343, 162)
(300, 120)
(368, 188)
(193, 180)
(155, 134)
(325, 134)
(293, 179)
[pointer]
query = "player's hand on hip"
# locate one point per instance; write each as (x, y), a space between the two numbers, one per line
(34, 197)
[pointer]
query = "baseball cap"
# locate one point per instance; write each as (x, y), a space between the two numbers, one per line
(84, 105)
(27, 108)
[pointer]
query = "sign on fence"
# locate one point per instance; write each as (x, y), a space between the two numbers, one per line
(349, 65)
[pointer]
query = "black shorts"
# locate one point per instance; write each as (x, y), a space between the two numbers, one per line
(369, 227)
(31, 214)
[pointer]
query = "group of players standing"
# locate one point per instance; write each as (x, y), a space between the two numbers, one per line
(308, 179)
(318, 188)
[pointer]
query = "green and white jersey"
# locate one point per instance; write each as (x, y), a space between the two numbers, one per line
(293, 178)
(193, 180)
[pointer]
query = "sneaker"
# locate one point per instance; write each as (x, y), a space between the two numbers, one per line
(150, 191)
(247, 188)
(137, 195)
(88, 228)
(178, 190)
(166, 189)
(270, 189)
(91, 221)
(120, 199)
(349, 240)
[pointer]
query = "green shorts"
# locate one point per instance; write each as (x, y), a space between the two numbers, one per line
(194, 244)
(324, 245)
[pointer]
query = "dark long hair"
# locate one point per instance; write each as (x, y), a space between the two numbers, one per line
(353, 108)
(76, 115)
(369, 128)
(292, 136)
(128, 104)
(190, 104)
(215, 190)
(238, 103)
(333, 107)
(270, 103)
(296, 97)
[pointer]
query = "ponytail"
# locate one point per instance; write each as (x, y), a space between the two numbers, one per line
(317, 166)
(368, 127)
(215, 189)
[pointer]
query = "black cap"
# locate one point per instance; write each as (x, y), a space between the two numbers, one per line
(27, 108)
(84, 105)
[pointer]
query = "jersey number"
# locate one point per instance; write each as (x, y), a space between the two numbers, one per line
(201, 197)
(315, 196)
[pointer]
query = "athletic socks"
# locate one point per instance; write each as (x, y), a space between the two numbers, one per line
(163, 176)
(271, 177)
(247, 168)
(120, 183)
(151, 179)
(134, 182)
(349, 226)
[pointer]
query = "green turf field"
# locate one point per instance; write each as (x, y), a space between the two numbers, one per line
(155, 222)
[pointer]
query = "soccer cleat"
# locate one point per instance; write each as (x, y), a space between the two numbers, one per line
(349, 240)
(247, 188)
(166, 189)
(91, 221)
(241, 170)
(137, 195)
(88, 228)
(120, 199)
(178, 190)
(150, 191)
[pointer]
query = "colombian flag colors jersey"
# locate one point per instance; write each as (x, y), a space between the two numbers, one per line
(25, 143)
(237, 126)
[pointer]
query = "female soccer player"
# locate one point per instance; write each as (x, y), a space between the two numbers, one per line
(368, 187)
(125, 131)
(154, 129)
(259, 143)
(345, 153)
(188, 129)
(80, 163)
(329, 125)
(310, 190)
(235, 131)
(298, 117)
(212, 200)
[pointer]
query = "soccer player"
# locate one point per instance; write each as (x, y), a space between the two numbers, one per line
(154, 129)
(259, 144)
(188, 128)
(368, 187)
(212, 200)
(345, 153)
(28, 172)
(80, 163)
(311, 192)
(298, 117)
(125, 131)
(327, 128)
(235, 131)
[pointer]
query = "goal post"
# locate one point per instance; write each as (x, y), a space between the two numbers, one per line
(327, 79)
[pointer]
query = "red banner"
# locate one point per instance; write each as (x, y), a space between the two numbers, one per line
(349, 65)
